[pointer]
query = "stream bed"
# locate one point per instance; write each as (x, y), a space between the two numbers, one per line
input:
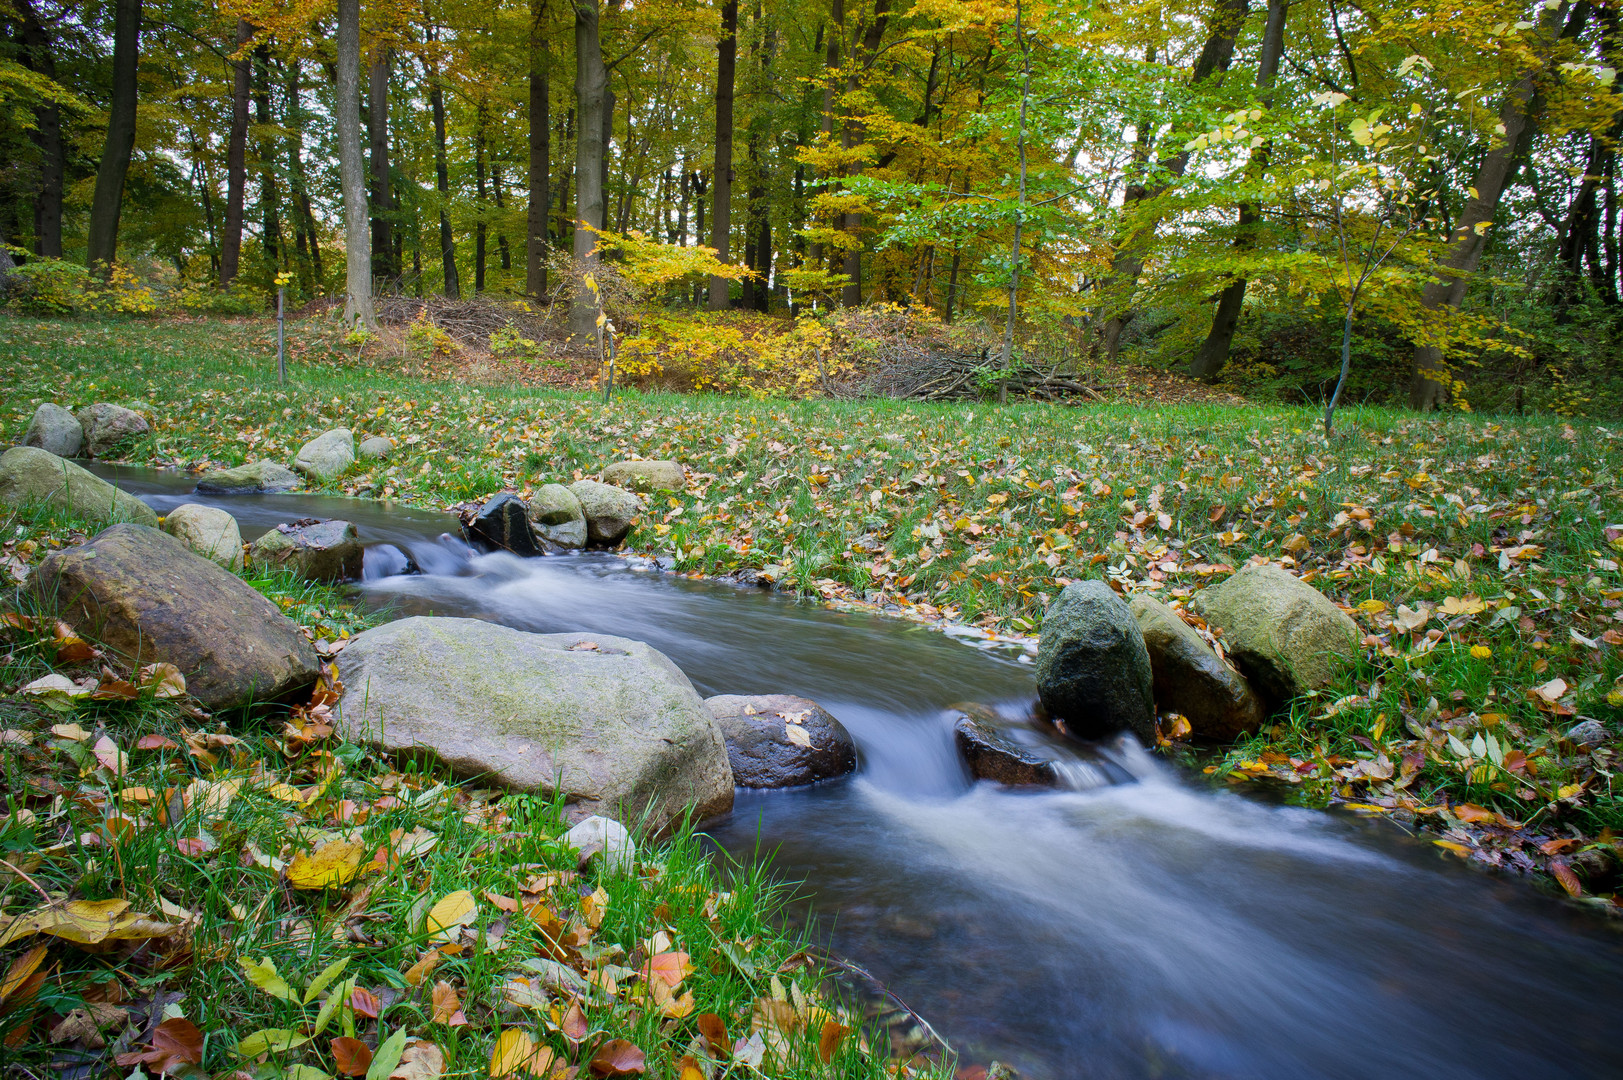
(1146, 927)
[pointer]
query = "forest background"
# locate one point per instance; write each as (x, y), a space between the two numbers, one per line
(1423, 196)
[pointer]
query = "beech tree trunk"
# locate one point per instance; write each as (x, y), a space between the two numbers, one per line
(442, 183)
(479, 227)
(270, 198)
(721, 186)
(1214, 351)
(384, 266)
(108, 201)
(831, 65)
(591, 83)
(537, 239)
(47, 136)
(358, 310)
(236, 160)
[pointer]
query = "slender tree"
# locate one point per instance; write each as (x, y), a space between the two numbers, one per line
(384, 266)
(722, 183)
(236, 158)
(537, 234)
(591, 83)
(119, 147)
(358, 309)
(39, 56)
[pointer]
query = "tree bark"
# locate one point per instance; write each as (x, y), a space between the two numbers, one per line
(108, 201)
(501, 204)
(236, 159)
(358, 311)
(536, 243)
(853, 133)
(591, 83)
(1214, 351)
(442, 183)
(47, 136)
(310, 277)
(721, 186)
(1432, 379)
(825, 124)
(1128, 261)
(270, 199)
(377, 115)
(479, 226)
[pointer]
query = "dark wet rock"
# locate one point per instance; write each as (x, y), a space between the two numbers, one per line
(148, 597)
(1190, 679)
(610, 724)
(110, 430)
(991, 753)
(250, 479)
(560, 523)
(1093, 671)
(315, 550)
(56, 431)
(1282, 633)
(646, 476)
(31, 475)
(610, 511)
(778, 740)
(503, 522)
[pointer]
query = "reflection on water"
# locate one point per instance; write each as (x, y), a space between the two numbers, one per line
(1146, 928)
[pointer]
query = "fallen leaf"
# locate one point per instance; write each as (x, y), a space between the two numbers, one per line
(513, 1051)
(175, 1042)
(155, 742)
(573, 1025)
(1552, 690)
(421, 1060)
(714, 1030)
(828, 1041)
(1472, 812)
(263, 974)
(690, 1069)
(617, 1057)
(365, 1003)
(450, 914)
(1563, 873)
(19, 973)
(423, 967)
(447, 1006)
(668, 967)
(351, 1056)
(332, 864)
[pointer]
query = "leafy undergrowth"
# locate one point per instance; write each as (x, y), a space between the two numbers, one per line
(1479, 555)
(192, 896)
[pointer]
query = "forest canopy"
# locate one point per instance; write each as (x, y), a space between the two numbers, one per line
(1259, 192)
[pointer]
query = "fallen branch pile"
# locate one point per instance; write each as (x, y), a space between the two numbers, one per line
(925, 374)
(468, 322)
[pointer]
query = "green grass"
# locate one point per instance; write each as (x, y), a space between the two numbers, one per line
(980, 514)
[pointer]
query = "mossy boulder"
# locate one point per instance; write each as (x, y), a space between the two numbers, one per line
(559, 521)
(252, 478)
(1093, 671)
(31, 475)
(610, 511)
(110, 430)
(1190, 679)
(150, 598)
(610, 724)
(647, 476)
(1282, 633)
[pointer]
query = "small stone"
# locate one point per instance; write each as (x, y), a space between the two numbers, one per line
(647, 476)
(1093, 671)
(326, 456)
(503, 522)
(559, 521)
(992, 754)
(207, 530)
(110, 430)
(252, 478)
(55, 430)
(1586, 733)
(778, 740)
(376, 446)
(610, 511)
(31, 475)
(600, 836)
(314, 550)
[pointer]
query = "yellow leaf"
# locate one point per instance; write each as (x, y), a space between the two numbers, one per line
(454, 910)
(1372, 607)
(595, 906)
(1481, 652)
(284, 792)
(332, 864)
(84, 922)
(1567, 791)
(270, 1040)
(513, 1051)
(263, 974)
(1458, 849)
(424, 966)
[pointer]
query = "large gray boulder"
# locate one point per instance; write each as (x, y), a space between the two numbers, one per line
(778, 740)
(1282, 633)
(647, 475)
(148, 597)
(1190, 679)
(985, 744)
(31, 475)
(1093, 671)
(560, 523)
(314, 550)
(327, 456)
(610, 511)
(55, 430)
(110, 430)
(609, 723)
(253, 478)
(207, 530)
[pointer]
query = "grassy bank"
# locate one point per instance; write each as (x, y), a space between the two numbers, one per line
(1478, 554)
(202, 894)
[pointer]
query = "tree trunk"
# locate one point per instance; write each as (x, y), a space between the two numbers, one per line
(952, 284)
(377, 129)
(591, 83)
(825, 124)
(442, 183)
(479, 226)
(352, 171)
(721, 186)
(270, 199)
(47, 135)
(602, 221)
(108, 201)
(236, 159)
(1128, 261)
(501, 204)
(311, 277)
(536, 242)
(1214, 352)
(854, 133)
(1430, 385)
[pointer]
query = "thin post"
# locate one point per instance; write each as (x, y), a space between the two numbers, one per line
(608, 385)
(281, 352)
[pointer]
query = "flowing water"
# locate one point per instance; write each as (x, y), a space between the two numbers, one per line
(1141, 926)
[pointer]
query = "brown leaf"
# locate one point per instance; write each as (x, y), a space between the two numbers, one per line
(365, 1003)
(1472, 812)
(1563, 873)
(574, 1024)
(79, 1026)
(828, 1042)
(19, 973)
(154, 742)
(1558, 847)
(175, 1042)
(421, 1060)
(714, 1030)
(352, 1057)
(424, 965)
(617, 1057)
(447, 1007)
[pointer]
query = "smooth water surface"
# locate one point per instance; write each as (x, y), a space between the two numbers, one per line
(1150, 927)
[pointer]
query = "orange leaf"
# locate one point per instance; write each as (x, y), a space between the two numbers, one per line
(1472, 812)
(447, 1007)
(506, 903)
(365, 1003)
(175, 1042)
(21, 969)
(574, 1024)
(1569, 881)
(829, 1041)
(424, 965)
(714, 1030)
(668, 967)
(690, 1069)
(1558, 847)
(617, 1057)
(351, 1056)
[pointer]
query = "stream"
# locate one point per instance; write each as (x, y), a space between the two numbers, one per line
(1143, 925)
